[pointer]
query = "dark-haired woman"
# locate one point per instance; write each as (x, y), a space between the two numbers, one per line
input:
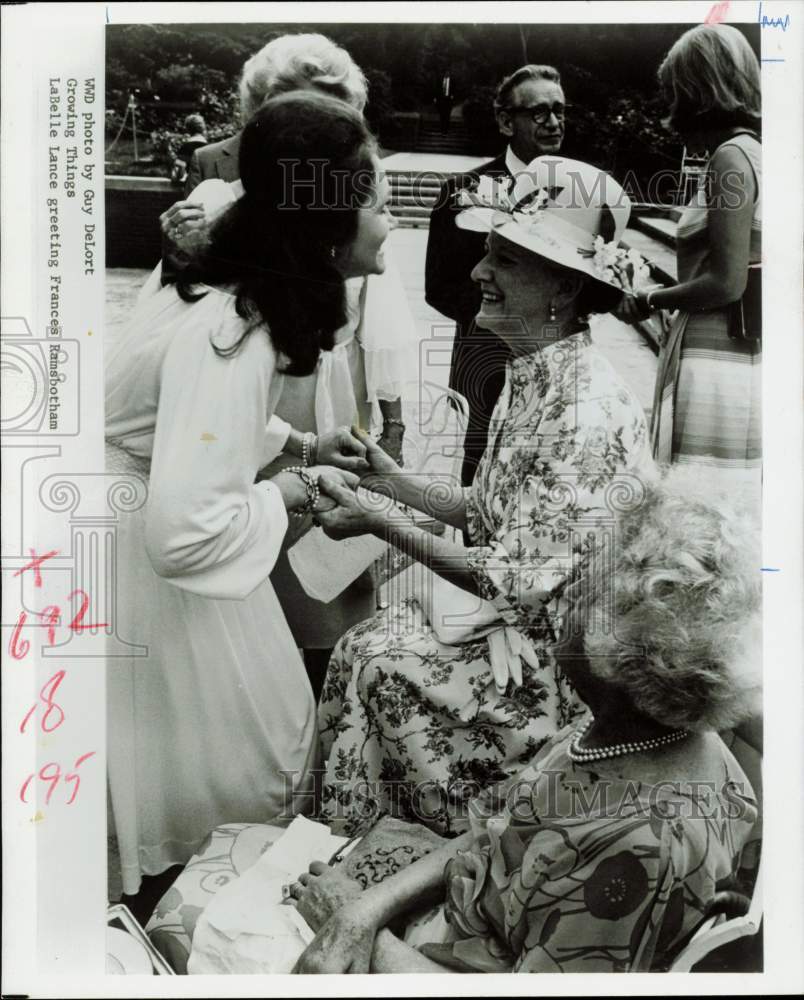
(216, 718)
(707, 406)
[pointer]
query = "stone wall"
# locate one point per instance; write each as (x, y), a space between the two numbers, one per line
(133, 207)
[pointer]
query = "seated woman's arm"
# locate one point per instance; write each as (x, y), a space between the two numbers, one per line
(346, 941)
(392, 955)
(438, 498)
(356, 514)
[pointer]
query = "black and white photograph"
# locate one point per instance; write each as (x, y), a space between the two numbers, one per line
(433, 595)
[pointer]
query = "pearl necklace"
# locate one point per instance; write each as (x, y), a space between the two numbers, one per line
(579, 755)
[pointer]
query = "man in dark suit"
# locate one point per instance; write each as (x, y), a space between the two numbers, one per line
(529, 106)
(218, 159)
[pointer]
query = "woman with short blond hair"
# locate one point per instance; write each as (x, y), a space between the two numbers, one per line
(707, 404)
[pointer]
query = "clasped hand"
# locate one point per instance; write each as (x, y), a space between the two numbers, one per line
(357, 513)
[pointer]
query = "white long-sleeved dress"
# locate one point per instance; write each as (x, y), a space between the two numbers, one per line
(217, 722)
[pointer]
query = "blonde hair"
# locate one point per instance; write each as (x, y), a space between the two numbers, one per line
(686, 644)
(712, 72)
(301, 62)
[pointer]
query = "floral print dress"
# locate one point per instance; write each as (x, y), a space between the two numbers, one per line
(572, 871)
(415, 727)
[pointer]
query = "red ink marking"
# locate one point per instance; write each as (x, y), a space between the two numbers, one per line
(718, 13)
(18, 647)
(52, 684)
(78, 624)
(28, 715)
(46, 694)
(35, 563)
(52, 616)
(74, 777)
(24, 789)
(52, 778)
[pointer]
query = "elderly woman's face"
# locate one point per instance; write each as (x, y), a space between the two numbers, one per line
(516, 288)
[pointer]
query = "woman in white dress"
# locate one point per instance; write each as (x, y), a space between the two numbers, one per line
(362, 380)
(215, 718)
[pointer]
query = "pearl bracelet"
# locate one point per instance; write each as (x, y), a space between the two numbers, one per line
(311, 488)
(309, 449)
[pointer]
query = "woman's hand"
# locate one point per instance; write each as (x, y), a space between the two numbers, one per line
(343, 944)
(321, 892)
(632, 309)
(185, 225)
(351, 514)
(378, 459)
(294, 492)
(343, 450)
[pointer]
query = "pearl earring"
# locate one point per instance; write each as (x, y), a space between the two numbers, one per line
(552, 315)
(332, 252)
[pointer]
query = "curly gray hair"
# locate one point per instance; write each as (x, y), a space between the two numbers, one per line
(686, 647)
(300, 62)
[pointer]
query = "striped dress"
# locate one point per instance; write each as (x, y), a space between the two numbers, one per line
(707, 408)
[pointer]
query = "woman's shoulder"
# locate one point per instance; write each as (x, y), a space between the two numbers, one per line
(730, 157)
(214, 194)
(598, 384)
(214, 317)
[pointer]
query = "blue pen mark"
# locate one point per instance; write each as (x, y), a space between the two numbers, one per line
(770, 569)
(771, 60)
(772, 22)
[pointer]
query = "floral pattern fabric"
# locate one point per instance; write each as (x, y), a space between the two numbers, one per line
(415, 727)
(580, 873)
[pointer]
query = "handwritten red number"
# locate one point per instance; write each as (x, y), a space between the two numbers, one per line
(46, 694)
(52, 684)
(51, 772)
(77, 624)
(24, 789)
(52, 778)
(18, 647)
(52, 617)
(74, 777)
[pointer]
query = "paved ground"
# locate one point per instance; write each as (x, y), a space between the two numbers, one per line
(446, 163)
(625, 348)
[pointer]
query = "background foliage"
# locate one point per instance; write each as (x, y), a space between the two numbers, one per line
(608, 72)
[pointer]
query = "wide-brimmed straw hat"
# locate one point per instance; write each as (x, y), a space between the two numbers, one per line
(565, 210)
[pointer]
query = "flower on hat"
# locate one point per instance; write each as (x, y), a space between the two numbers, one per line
(495, 193)
(627, 269)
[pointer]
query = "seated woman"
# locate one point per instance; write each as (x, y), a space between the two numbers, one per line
(414, 724)
(605, 853)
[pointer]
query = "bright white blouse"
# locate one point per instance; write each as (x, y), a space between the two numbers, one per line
(206, 425)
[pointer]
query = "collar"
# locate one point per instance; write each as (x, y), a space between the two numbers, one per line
(513, 164)
(554, 354)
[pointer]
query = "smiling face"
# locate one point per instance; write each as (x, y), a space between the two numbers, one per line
(516, 287)
(529, 138)
(364, 254)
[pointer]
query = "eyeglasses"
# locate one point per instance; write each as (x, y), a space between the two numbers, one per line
(540, 113)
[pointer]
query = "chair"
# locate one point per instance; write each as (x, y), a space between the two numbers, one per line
(693, 170)
(723, 924)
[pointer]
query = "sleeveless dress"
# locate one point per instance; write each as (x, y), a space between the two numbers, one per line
(211, 717)
(707, 408)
